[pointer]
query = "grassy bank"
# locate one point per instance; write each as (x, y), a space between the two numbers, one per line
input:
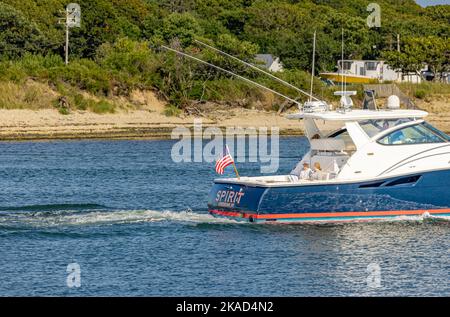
(36, 81)
(426, 90)
(105, 85)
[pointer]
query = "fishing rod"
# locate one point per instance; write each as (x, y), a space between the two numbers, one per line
(231, 73)
(313, 65)
(259, 70)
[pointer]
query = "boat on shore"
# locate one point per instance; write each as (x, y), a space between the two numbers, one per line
(377, 165)
(340, 78)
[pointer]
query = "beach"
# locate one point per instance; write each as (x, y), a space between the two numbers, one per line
(47, 124)
(150, 122)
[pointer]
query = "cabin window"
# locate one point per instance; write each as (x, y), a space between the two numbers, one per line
(373, 127)
(347, 65)
(416, 134)
(371, 66)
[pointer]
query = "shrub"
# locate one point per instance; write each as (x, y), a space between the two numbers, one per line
(102, 106)
(82, 103)
(12, 71)
(63, 111)
(84, 74)
(134, 58)
(172, 111)
(420, 94)
(32, 64)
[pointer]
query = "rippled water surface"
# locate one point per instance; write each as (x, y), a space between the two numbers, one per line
(137, 224)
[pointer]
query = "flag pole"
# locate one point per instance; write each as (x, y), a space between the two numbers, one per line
(234, 165)
(236, 171)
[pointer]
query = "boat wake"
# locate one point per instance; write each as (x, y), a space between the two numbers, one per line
(91, 214)
(426, 218)
(96, 216)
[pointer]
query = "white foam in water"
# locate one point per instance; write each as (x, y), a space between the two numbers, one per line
(121, 216)
(424, 217)
(99, 217)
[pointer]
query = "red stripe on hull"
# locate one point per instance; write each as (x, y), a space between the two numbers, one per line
(330, 214)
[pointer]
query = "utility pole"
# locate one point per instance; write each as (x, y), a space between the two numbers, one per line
(398, 42)
(72, 18)
(66, 48)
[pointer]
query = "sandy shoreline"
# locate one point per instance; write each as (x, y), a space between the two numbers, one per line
(49, 124)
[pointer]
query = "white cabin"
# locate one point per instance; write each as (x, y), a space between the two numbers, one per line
(377, 70)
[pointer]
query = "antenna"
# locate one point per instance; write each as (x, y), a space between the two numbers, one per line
(230, 73)
(313, 66)
(342, 61)
(72, 18)
(258, 69)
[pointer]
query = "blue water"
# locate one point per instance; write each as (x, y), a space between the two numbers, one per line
(137, 224)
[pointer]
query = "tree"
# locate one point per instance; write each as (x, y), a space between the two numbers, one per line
(18, 35)
(416, 52)
(133, 57)
(182, 26)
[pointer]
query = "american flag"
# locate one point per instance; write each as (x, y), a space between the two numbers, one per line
(225, 160)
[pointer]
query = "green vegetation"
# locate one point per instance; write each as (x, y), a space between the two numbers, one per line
(432, 50)
(172, 111)
(425, 90)
(117, 48)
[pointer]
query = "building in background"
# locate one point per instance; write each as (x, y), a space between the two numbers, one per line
(368, 71)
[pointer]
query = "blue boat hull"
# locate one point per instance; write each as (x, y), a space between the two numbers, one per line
(407, 195)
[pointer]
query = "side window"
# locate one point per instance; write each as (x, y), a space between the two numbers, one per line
(347, 65)
(416, 134)
(371, 65)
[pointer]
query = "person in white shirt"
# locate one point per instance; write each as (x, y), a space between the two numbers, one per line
(306, 172)
(301, 173)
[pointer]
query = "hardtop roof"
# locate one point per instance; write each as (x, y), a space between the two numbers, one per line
(358, 115)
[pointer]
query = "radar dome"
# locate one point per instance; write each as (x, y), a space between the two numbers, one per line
(393, 102)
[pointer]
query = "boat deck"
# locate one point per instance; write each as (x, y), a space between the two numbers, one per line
(279, 180)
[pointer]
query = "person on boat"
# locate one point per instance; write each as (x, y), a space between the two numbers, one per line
(305, 173)
(317, 172)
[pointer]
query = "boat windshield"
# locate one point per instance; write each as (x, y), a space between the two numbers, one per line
(421, 133)
(373, 127)
(436, 131)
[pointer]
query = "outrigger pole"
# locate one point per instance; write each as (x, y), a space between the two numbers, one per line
(310, 95)
(231, 73)
(313, 66)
